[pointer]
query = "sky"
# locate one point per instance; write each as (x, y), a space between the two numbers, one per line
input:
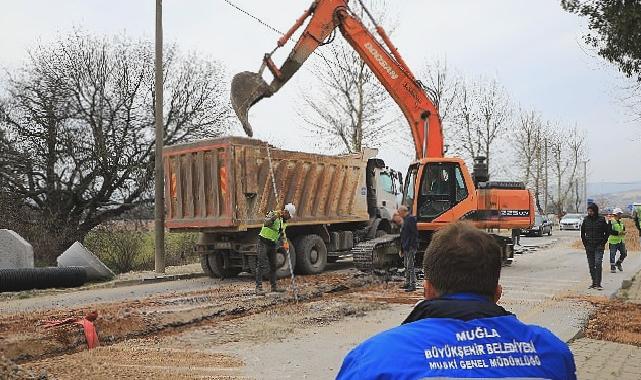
(532, 47)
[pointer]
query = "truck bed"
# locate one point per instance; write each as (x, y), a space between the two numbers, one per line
(224, 184)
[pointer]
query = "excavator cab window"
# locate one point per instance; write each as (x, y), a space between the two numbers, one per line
(442, 187)
(408, 192)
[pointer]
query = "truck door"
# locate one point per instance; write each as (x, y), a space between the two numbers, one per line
(387, 190)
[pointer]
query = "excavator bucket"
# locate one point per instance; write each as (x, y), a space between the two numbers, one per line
(247, 88)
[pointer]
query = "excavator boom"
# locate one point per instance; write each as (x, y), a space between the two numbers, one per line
(386, 63)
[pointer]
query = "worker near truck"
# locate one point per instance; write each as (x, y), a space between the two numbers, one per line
(409, 246)
(271, 238)
(594, 235)
(458, 330)
(616, 241)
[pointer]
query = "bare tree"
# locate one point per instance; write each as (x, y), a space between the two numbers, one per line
(79, 118)
(443, 87)
(351, 109)
(482, 114)
(567, 150)
(528, 137)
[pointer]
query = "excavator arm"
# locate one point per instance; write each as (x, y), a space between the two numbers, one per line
(325, 16)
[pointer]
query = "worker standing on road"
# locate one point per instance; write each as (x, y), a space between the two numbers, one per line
(616, 241)
(594, 235)
(458, 330)
(516, 236)
(271, 237)
(409, 246)
(636, 214)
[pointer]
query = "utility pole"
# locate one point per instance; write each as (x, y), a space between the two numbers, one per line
(545, 206)
(159, 199)
(585, 182)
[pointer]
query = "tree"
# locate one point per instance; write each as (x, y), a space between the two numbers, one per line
(567, 151)
(351, 108)
(615, 31)
(79, 118)
(529, 137)
(481, 115)
(442, 86)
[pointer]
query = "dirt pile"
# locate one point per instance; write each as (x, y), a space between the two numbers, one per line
(615, 321)
(125, 361)
(12, 371)
(24, 339)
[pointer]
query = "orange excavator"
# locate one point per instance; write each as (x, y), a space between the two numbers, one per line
(439, 190)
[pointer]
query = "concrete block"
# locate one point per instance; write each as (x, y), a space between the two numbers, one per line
(79, 256)
(15, 252)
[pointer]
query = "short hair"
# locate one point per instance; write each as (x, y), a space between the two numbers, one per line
(462, 258)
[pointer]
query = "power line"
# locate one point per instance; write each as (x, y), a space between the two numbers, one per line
(282, 34)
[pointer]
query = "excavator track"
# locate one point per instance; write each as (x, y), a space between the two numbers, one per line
(378, 253)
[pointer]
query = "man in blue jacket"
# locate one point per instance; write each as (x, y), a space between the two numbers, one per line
(459, 331)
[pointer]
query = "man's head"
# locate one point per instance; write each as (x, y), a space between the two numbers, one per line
(617, 213)
(403, 211)
(396, 218)
(289, 211)
(462, 258)
(593, 209)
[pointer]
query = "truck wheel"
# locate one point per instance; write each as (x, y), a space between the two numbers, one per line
(311, 254)
(214, 266)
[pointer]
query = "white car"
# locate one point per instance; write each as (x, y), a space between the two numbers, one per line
(571, 222)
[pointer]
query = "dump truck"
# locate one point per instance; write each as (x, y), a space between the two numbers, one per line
(222, 188)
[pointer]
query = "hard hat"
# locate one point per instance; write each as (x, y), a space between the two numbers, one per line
(291, 209)
(617, 211)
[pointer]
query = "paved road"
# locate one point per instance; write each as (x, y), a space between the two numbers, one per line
(541, 288)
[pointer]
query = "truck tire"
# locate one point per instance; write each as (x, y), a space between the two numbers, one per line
(213, 265)
(311, 254)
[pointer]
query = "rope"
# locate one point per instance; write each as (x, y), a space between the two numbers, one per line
(289, 257)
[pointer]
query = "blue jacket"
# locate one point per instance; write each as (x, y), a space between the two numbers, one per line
(431, 344)
(409, 234)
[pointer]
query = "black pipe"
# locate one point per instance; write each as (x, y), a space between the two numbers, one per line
(12, 280)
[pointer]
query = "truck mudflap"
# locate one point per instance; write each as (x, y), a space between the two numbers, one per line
(378, 253)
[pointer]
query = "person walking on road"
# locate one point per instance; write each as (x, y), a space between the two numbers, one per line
(616, 241)
(409, 246)
(636, 214)
(272, 236)
(594, 235)
(458, 330)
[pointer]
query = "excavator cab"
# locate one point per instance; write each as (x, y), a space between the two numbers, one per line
(441, 186)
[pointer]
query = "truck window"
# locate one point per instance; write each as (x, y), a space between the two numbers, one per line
(461, 190)
(386, 182)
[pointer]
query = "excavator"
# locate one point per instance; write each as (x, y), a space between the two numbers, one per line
(438, 190)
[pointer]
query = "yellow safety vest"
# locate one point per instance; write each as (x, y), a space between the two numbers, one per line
(272, 232)
(618, 227)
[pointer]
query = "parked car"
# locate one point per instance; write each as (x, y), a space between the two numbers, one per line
(541, 226)
(571, 222)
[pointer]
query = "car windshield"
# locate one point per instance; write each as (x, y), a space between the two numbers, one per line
(538, 219)
(572, 216)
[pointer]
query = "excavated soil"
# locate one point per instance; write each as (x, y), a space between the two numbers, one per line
(125, 361)
(615, 321)
(23, 337)
(12, 371)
